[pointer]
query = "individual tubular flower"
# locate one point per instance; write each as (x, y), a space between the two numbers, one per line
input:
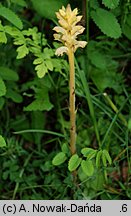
(68, 30)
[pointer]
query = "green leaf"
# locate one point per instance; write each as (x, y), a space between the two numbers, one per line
(127, 30)
(59, 159)
(22, 3)
(3, 38)
(104, 160)
(37, 61)
(22, 51)
(109, 79)
(74, 162)
(107, 22)
(98, 158)
(94, 4)
(48, 53)
(126, 27)
(111, 3)
(129, 124)
(41, 70)
(8, 74)
(128, 21)
(47, 8)
(97, 183)
(108, 158)
(89, 152)
(37, 123)
(11, 16)
(16, 97)
(49, 64)
(42, 101)
(5, 174)
(2, 102)
(2, 142)
(40, 105)
(2, 88)
(87, 167)
(98, 59)
(65, 148)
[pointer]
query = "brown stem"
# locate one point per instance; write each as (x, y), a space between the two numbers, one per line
(72, 103)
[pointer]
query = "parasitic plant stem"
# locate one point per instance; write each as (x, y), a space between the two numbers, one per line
(72, 103)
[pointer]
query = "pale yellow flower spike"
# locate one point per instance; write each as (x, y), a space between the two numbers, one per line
(68, 29)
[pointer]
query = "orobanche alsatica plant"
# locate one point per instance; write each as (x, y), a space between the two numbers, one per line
(67, 34)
